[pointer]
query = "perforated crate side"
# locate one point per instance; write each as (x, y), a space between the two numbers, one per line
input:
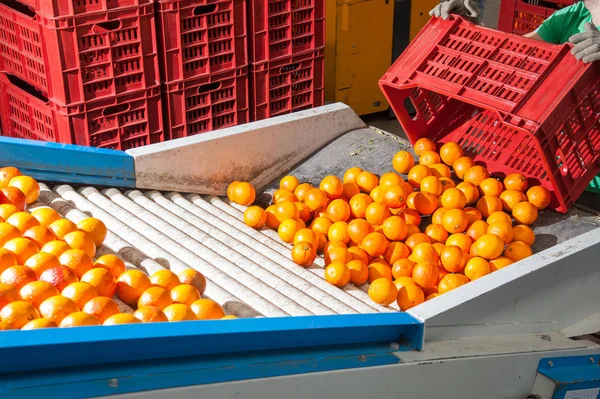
(288, 85)
(207, 103)
(281, 28)
(519, 17)
(199, 37)
(70, 8)
(83, 58)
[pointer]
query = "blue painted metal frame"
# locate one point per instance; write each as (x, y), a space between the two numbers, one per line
(572, 373)
(67, 163)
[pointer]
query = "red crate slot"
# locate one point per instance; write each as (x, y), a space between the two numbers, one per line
(122, 122)
(83, 58)
(70, 8)
(517, 104)
(207, 103)
(200, 37)
(520, 17)
(280, 28)
(288, 85)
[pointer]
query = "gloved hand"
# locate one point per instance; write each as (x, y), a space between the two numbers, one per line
(465, 8)
(587, 44)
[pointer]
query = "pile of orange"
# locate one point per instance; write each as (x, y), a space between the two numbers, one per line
(48, 276)
(369, 228)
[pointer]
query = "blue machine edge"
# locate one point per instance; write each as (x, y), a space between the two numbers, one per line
(572, 373)
(66, 163)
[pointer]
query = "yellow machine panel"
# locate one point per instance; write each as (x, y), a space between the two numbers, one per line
(358, 52)
(419, 15)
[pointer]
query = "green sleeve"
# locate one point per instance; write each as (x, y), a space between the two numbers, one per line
(559, 26)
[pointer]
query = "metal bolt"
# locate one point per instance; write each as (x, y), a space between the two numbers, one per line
(592, 360)
(394, 346)
(362, 358)
(550, 363)
(113, 383)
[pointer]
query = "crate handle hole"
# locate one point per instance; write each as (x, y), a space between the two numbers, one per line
(206, 9)
(411, 108)
(289, 68)
(209, 87)
(562, 165)
(115, 109)
(107, 26)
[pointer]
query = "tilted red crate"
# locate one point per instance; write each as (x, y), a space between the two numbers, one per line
(515, 104)
(520, 17)
(70, 8)
(121, 122)
(280, 28)
(199, 37)
(206, 103)
(83, 58)
(287, 85)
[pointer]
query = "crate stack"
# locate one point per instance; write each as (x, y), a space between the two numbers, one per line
(286, 49)
(82, 72)
(524, 16)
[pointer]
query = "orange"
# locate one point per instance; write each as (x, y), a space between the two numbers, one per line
(78, 319)
(350, 190)
(36, 324)
(7, 259)
(230, 190)
(425, 274)
(410, 296)
(450, 153)
(17, 276)
(417, 174)
(492, 187)
(7, 173)
(359, 204)
(112, 263)
(80, 293)
(500, 263)
(403, 268)
(412, 229)
(289, 183)
(441, 273)
(62, 227)
(488, 246)
(77, 260)
(17, 314)
(193, 277)
(426, 203)
(501, 229)
(488, 205)
(394, 197)
(416, 239)
(440, 170)
(358, 253)
(286, 210)
(461, 165)
(436, 218)
(473, 214)
(516, 181)
(425, 252)
(470, 191)
(81, 240)
(517, 250)
(431, 296)
(395, 228)
(379, 268)
(179, 312)
(422, 145)
(436, 233)
(207, 309)
(271, 221)
(255, 217)
(539, 196)
(120, 318)
(155, 296)
(411, 216)
(8, 294)
(431, 184)
(524, 233)
(338, 274)
(243, 194)
(510, 198)
(304, 253)
(358, 229)
(22, 221)
(359, 272)
(45, 216)
(453, 259)
(499, 216)
(447, 183)
(330, 245)
(338, 210)
(59, 276)
(321, 224)
(37, 292)
(284, 195)
(396, 251)
(453, 198)
(404, 281)
(332, 186)
(6, 210)
(301, 190)
(316, 199)
(102, 280)
(403, 161)
(375, 244)
(450, 282)
(351, 175)
(389, 179)
(476, 268)
(367, 181)
(28, 186)
(461, 240)
(288, 229)
(377, 213)
(131, 285)
(476, 175)
(429, 158)
(55, 248)
(39, 235)
(22, 248)
(383, 291)
(339, 232)
(58, 307)
(185, 293)
(438, 248)
(307, 235)
(101, 307)
(150, 314)
(455, 221)
(16, 197)
(525, 213)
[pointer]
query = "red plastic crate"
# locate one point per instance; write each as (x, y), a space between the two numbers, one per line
(207, 103)
(70, 8)
(281, 28)
(122, 122)
(519, 17)
(200, 37)
(287, 85)
(83, 58)
(515, 104)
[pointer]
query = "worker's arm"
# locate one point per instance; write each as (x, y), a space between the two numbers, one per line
(534, 35)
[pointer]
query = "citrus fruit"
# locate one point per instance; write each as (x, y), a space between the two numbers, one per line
(18, 313)
(488, 205)
(359, 272)
(516, 181)
(339, 232)
(81, 240)
(425, 274)
(470, 191)
(121, 318)
(22, 221)
(395, 251)
(379, 268)
(39, 235)
(7, 259)
(332, 186)
(453, 198)
(426, 203)
(62, 227)
(289, 183)
(450, 153)
(8, 294)
(411, 217)
(286, 210)
(477, 229)
(28, 186)
(45, 216)
(130, 286)
(510, 198)
(440, 170)
(476, 174)
(193, 277)
(437, 233)
(284, 195)
(230, 189)
(7, 209)
(417, 174)
(58, 307)
(102, 280)
(350, 190)
(410, 296)
(395, 228)
(338, 274)
(80, 293)
(155, 296)
(18, 276)
(150, 314)
(375, 244)
(207, 309)
(429, 158)
(304, 253)
(77, 260)
(338, 210)
(403, 268)
(488, 246)
(271, 220)
(243, 194)
(524, 233)
(22, 248)
(525, 213)
(394, 197)
(539, 197)
(7, 173)
(422, 145)
(59, 277)
(112, 263)
(15, 197)
(337, 254)
(416, 239)
(78, 319)
(403, 161)
(476, 268)
(383, 291)
(403, 281)
(462, 165)
(301, 190)
(501, 229)
(455, 221)
(102, 307)
(185, 293)
(288, 229)
(179, 312)
(500, 263)
(351, 175)
(517, 250)
(432, 185)
(453, 259)
(499, 216)
(55, 248)
(461, 240)
(36, 292)
(255, 217)
(37, 324)
(450, 282)
(316, 199)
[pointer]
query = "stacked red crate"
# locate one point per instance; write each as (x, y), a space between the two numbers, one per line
(524, 16)
(287, 38)
(83, 72)
(204, 58)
